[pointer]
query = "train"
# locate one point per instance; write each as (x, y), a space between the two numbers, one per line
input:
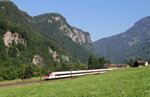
(66, 74)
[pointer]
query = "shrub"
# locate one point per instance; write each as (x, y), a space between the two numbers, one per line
(1, 79)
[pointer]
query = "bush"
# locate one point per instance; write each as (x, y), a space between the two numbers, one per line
(9, 73)
(1, 79)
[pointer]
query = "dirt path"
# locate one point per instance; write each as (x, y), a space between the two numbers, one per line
(19, 84)
(31, 82)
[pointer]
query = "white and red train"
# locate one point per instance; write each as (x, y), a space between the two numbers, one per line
(65, 74)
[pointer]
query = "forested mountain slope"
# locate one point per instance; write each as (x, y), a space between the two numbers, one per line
(76, 43)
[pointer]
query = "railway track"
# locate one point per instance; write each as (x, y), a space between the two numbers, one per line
(31, 82)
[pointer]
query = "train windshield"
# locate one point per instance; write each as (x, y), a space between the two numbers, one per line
(48, 73)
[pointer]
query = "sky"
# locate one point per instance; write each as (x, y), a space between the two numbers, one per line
(101, 18)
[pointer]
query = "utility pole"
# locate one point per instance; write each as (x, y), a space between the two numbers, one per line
(23, 71)
(40, 71)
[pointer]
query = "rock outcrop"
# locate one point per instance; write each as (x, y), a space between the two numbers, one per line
(55, 56)
(37, 60)
(76, 35)
(9, 37)
(65, 58)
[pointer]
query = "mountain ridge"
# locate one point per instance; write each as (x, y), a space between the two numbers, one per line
(119, 45)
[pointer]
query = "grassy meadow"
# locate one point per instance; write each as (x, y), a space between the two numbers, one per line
(128, 82)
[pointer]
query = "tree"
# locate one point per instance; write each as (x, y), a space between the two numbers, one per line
(3, 25)
(130, 62)
(90, 62)
(12, 52)
(28, 72)
(94, 63)
(25, 71)
(103, 61)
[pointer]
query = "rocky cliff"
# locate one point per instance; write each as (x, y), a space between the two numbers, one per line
(56, 22)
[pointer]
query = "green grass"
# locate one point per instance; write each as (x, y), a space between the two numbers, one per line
(128, 82)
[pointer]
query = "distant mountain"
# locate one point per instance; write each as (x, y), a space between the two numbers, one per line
(74, 42)
(132, 44)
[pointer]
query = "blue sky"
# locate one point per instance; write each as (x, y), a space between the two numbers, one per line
(101, 18)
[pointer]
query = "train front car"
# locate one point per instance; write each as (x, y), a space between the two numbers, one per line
(50, 75)
(47, 76)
